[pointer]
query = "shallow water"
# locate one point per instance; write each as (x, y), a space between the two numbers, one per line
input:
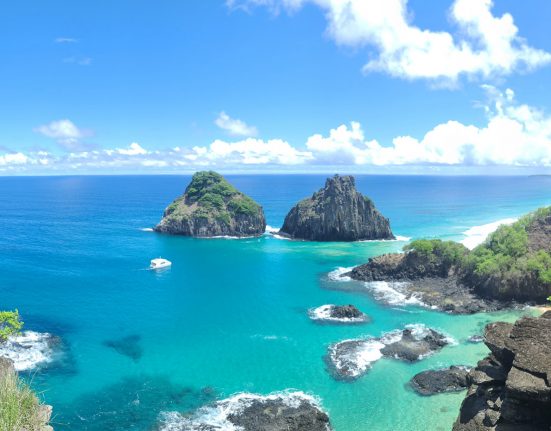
(230, 315)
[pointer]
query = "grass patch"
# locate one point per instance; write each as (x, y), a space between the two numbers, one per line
(20, 408)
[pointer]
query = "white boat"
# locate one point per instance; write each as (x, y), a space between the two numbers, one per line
(159, 263)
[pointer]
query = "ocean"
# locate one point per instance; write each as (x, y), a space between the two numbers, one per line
(231, 315)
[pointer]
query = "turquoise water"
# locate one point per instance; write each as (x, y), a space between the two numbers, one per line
(230, 315)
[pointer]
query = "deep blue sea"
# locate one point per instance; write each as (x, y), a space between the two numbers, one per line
(230, 315)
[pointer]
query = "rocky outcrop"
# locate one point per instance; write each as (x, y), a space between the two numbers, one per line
(210, 206)
(511, 388)
(431, 382)
(338, 212)
(350, 359)
(294, 411)
(415, 344)
(331, 313)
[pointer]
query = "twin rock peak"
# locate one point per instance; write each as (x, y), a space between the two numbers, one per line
(211, 206)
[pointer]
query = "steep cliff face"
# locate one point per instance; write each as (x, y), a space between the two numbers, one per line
(211, 207)
(338, 212)
(511, 388)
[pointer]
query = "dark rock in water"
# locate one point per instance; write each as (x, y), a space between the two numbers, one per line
(211, 207)
(276, 415)
(127, 346)
(338, 212)
(350, 359)
(511, 388)
(345, 314)
(248, 412)
(475, 339)
(546, 315)
(414, 345)
(432, 382)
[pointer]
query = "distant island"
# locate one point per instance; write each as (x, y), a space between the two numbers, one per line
(211, 206)
(337, 212)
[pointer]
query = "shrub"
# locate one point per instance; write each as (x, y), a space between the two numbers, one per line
(10, 324)
(448, 252)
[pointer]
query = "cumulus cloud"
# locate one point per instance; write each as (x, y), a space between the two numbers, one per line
(249, 152)
(234, 126)
(67, 135)
(483, 45)
(513, 135)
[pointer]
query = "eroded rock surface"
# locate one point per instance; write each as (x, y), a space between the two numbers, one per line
(510, 389)
(337, 212)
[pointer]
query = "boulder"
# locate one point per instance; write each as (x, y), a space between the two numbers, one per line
(432, 382)
(337, 212)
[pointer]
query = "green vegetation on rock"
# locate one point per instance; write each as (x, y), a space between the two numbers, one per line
(513, 263)
(211, 206)
(507, 253)
(450, 253)
(10, 324)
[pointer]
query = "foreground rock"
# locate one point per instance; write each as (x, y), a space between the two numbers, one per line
(511, 388)
(248, 412)
(431, 382)
(338, 212)
(337, 314)
(430, 277)
(350, 359)
(209, 207)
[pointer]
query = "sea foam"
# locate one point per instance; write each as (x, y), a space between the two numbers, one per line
(28, 350)
(336, 274)
(393, 293)
(478, 234)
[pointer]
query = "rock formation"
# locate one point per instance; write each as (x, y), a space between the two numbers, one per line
(350, 359)
(433, 382)
(338, 212)
(289, 411)
(210, 206)
(511, 388)
(331, 313)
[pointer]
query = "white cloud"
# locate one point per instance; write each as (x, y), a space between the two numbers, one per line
(514, 135)
(249, 152)
(66, 40)
(234, 126)
(66, 133)
(484, 45)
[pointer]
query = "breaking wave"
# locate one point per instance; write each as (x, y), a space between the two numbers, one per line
(29, 349)
(478, 234)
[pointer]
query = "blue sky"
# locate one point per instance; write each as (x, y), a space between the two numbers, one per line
(454, 86)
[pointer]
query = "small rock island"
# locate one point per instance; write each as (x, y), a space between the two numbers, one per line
(211, 206)
(337, 212)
